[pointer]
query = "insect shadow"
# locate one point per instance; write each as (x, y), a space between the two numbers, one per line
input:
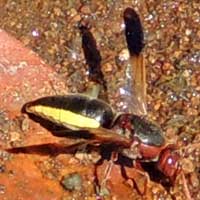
(78, 138)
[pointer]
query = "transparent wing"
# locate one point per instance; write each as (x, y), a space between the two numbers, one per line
(85, 137)
(132, 89)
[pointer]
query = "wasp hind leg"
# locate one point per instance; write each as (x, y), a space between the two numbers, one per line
(101, 187)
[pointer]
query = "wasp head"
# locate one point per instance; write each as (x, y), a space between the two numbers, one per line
(168, 163)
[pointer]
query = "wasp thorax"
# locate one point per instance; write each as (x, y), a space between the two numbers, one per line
(146, 131)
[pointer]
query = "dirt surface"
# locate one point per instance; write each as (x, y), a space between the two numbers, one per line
(50, 29)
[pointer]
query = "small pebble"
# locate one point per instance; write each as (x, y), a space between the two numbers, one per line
(72, 182)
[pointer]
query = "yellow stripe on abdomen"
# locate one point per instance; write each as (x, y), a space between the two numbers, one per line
(64, 117)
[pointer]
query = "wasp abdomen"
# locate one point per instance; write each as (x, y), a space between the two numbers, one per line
(72, 111)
